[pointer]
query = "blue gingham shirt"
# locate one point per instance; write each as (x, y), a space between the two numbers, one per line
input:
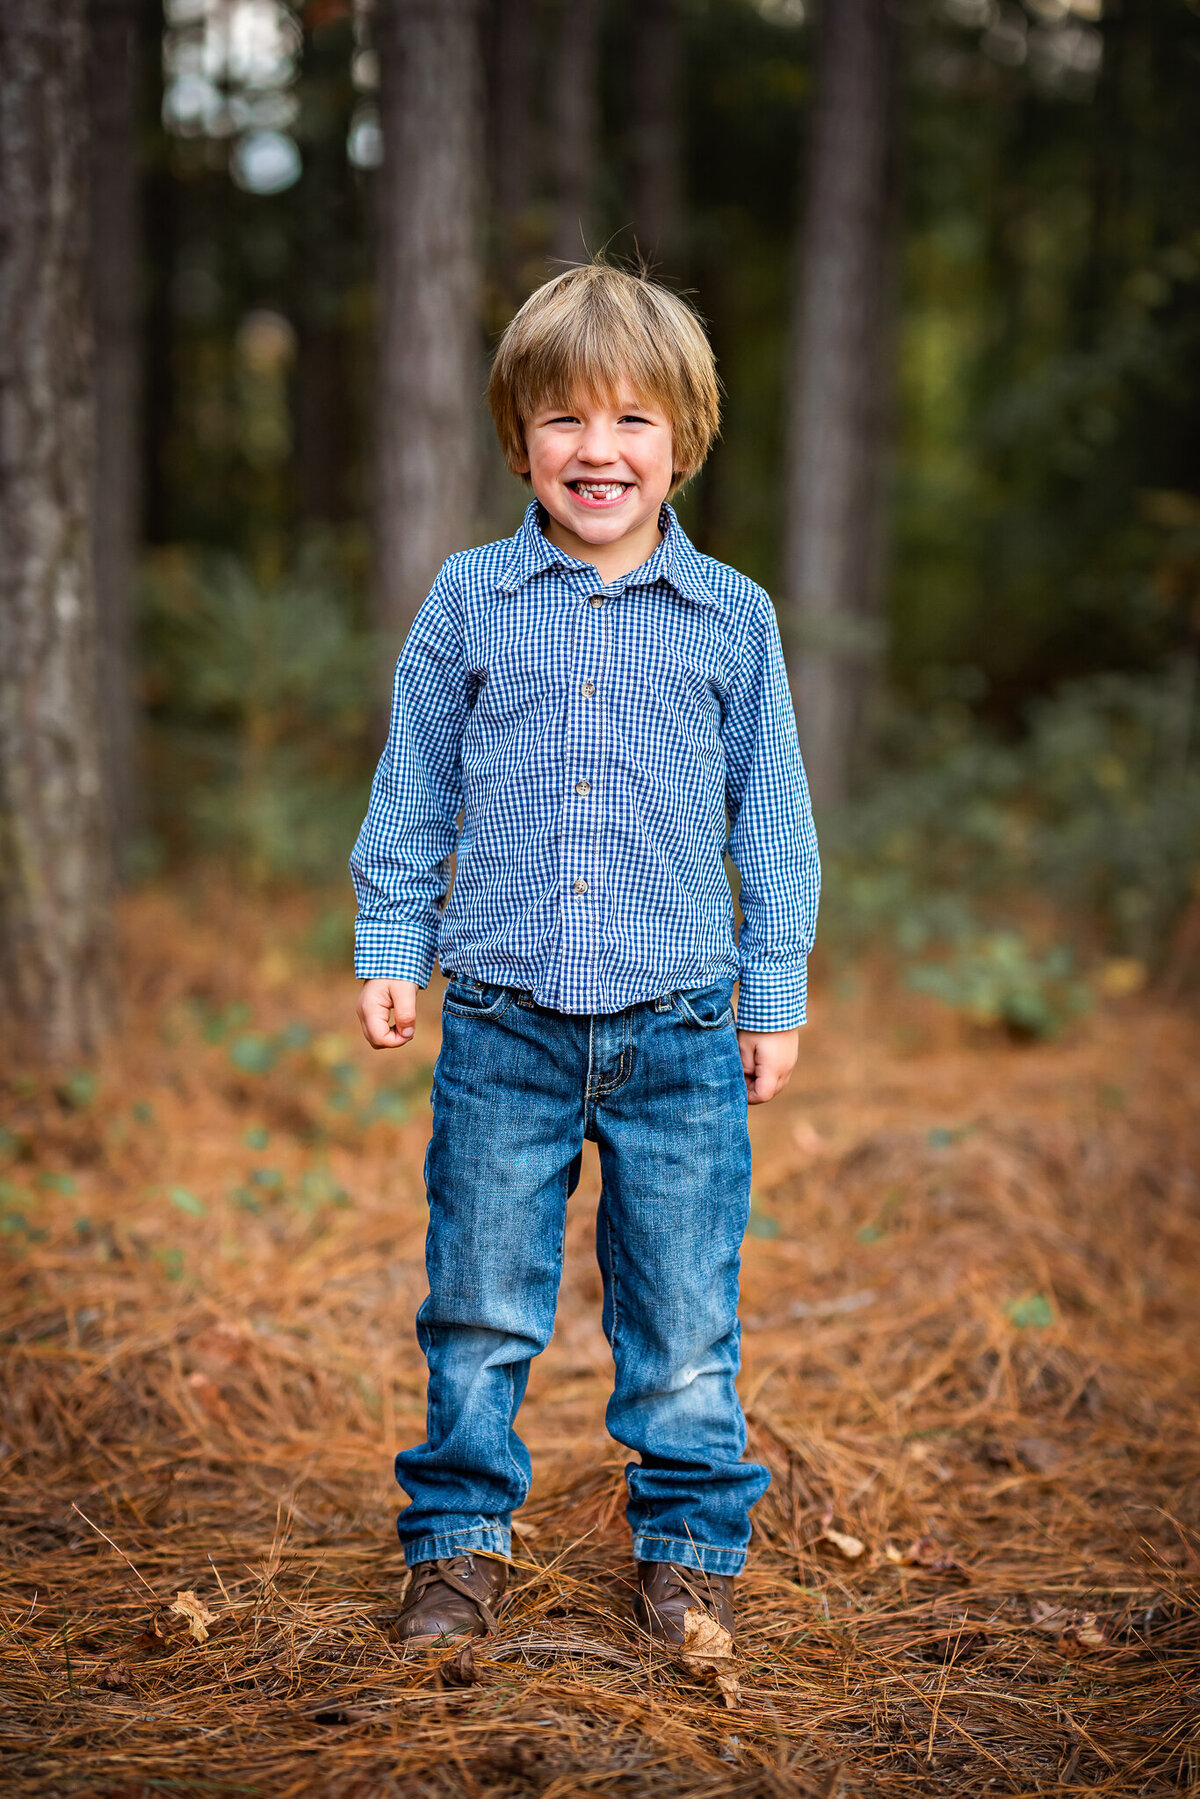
(604, 745)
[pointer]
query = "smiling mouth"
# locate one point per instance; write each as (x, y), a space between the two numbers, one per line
(600, 493)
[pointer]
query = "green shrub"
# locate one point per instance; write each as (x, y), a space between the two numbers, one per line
(260, 702)
(998, 979)
(1095, 812)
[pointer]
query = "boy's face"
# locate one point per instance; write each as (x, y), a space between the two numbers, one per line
(601, 468)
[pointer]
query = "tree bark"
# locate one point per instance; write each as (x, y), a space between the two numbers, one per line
(833, 548)
(55, 867)
(116, 268)
(430, 374)
(512, 149)
(575, 127)
(656, 134)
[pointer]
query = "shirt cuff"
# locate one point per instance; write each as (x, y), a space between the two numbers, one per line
(395, 952)
(772, 999)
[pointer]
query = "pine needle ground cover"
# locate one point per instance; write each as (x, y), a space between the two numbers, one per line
(971, 1315)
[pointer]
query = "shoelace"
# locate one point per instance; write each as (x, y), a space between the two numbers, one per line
(685, 1580)
(450, 1571)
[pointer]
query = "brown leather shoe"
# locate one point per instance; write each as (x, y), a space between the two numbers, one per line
(450, 1599)
(666, 1590)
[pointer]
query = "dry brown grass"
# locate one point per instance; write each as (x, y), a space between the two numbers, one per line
(220, 1395)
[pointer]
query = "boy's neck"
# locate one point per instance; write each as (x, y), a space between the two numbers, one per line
(610, 560)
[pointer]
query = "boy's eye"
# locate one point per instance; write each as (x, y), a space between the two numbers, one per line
(564, 418)
(632, 418)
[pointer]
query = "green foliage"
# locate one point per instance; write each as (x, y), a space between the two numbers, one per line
(52, 1182)
(260, 707)
(184, 1200)
(1095, 811)
(78, 1090)
(253, 1053)
(998, 979)
(1033, 1312)
(761, 1224)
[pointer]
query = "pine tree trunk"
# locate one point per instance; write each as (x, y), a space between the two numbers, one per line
(833, 551)
(55, 871)
(656, 134)
(428, 419)
(511, 150)
(116, 277)
(575, 127)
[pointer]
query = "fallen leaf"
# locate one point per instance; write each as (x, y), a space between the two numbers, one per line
(1081, 1630)
(113, 1677)
(155, 1639)
(892, 1554)
(926, 1552)
(707, 1650)
(195, 1612)
(1088, 1632)
(221, 1345)
(206, 1390)
(460, 1670)
(850, 1547)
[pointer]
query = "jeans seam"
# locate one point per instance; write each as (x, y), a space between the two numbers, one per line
(496, 1010)
(656, 1536)
(513, 1463)
(625, 1066)
(612, 1276)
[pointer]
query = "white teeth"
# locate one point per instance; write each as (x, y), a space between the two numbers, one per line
(600, 490)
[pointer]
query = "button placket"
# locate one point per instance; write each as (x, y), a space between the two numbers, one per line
(585, 730)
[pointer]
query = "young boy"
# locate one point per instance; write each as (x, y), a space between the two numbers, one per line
(608, 712)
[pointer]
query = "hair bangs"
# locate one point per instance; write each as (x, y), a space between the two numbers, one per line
(593, 331)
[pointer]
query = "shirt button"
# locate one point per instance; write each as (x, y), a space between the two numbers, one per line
(596, 599)
(588, 689)
(579, 885)
(583, 786)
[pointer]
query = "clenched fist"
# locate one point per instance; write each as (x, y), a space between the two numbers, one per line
(768, 1058)
(387, 1012)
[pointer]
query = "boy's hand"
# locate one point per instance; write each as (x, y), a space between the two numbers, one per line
(376, 1001)
(768, 1058)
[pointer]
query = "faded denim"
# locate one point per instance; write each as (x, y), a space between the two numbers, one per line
(659, 1088)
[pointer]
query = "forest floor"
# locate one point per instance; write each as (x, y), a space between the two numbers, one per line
(971, 1314)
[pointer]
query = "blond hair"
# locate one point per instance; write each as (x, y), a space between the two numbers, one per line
(585, 331)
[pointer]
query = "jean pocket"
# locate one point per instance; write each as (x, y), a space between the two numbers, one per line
(708, 1008)
(474, 999)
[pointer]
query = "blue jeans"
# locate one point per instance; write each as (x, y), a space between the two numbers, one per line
(659, 1088)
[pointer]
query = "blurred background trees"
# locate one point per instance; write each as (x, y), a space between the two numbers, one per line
(949, 255)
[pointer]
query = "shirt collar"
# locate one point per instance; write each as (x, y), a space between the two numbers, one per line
(675, 560)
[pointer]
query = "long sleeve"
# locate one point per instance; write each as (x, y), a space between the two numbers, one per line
(771, 836)
(401, 861)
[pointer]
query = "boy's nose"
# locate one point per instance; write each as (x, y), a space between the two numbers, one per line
(598, 444)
